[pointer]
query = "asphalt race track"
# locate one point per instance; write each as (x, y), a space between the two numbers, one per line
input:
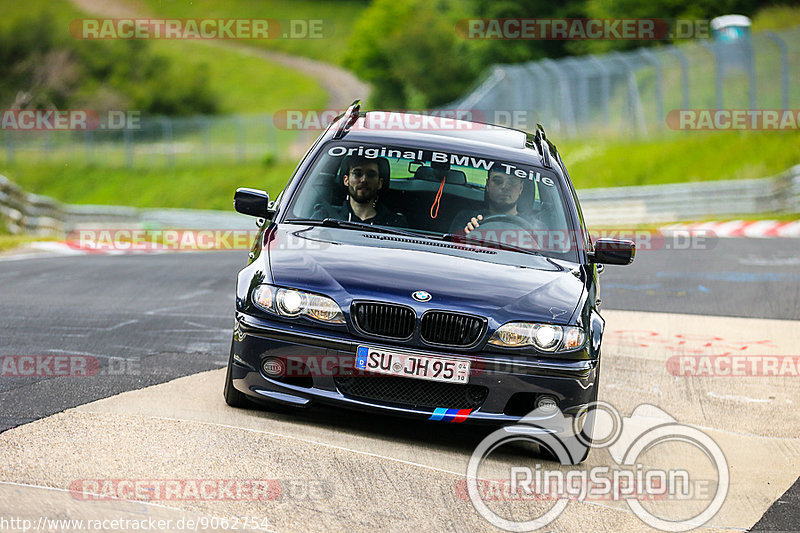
(158, 328)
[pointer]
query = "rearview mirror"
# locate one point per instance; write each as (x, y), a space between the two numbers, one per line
(613, 252)
(252, 202)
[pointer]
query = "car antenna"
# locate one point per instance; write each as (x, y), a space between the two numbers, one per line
(348, 119)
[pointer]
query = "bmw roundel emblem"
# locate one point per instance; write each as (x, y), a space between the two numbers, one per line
(421, 296)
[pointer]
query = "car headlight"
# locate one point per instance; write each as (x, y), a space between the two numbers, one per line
(545, 337)
(293, 303)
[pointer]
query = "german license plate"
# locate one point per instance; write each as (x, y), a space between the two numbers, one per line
(412, 365)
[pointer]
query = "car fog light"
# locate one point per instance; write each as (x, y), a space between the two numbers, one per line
(272, 366)
(547, 403)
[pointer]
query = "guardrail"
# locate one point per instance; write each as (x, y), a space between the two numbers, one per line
(23, 212)
(691, 201)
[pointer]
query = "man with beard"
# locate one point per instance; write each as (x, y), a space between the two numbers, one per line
(363, 181)
(502, 196)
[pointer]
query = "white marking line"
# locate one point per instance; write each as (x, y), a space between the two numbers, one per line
(73, 352)
(309, 441)
(736, 398)
(121, 324)
(204, 331)
(340, 448)
(84, 493)
(202, 326)
(35, 255)
(193, 294)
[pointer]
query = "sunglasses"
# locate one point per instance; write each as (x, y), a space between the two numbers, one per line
(360, 173)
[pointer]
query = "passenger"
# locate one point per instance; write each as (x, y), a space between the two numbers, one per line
(364, 183)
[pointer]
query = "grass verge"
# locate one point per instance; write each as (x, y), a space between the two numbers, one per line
(9, 242)
(687, 157)
(335, 19)
(190, 186)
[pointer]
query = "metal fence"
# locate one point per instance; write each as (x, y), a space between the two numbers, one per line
(650, 204)
(631, 93)
(155, 141)
(25, 213)
(22, 212)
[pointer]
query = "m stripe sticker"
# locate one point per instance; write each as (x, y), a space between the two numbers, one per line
(450, 415)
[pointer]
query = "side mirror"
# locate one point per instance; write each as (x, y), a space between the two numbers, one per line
(613, 252)
(252, 202)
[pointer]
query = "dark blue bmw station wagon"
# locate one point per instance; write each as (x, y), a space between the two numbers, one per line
(422, 267)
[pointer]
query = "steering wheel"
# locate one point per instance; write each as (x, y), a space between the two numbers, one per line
(500, 224)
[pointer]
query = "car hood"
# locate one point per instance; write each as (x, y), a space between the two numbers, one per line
(353, 265)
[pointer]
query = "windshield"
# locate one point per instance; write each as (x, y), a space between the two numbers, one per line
(437, 194)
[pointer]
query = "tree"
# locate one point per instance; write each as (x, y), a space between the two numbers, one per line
(410, 53)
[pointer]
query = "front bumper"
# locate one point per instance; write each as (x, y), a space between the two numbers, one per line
(513, 383)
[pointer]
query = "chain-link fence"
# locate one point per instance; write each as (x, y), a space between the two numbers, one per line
(632, 93)
(154, 142)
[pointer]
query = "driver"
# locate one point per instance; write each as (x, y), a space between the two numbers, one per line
(502, 196)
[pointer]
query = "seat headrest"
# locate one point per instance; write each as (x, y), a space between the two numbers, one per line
(426, 173)
(457, 177)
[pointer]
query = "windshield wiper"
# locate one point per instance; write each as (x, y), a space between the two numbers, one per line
(349, 224)
(466, 239)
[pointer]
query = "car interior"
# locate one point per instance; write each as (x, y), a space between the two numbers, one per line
(412, 191)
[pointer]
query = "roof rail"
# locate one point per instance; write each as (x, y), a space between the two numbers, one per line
(348, 119)
(540, 139)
